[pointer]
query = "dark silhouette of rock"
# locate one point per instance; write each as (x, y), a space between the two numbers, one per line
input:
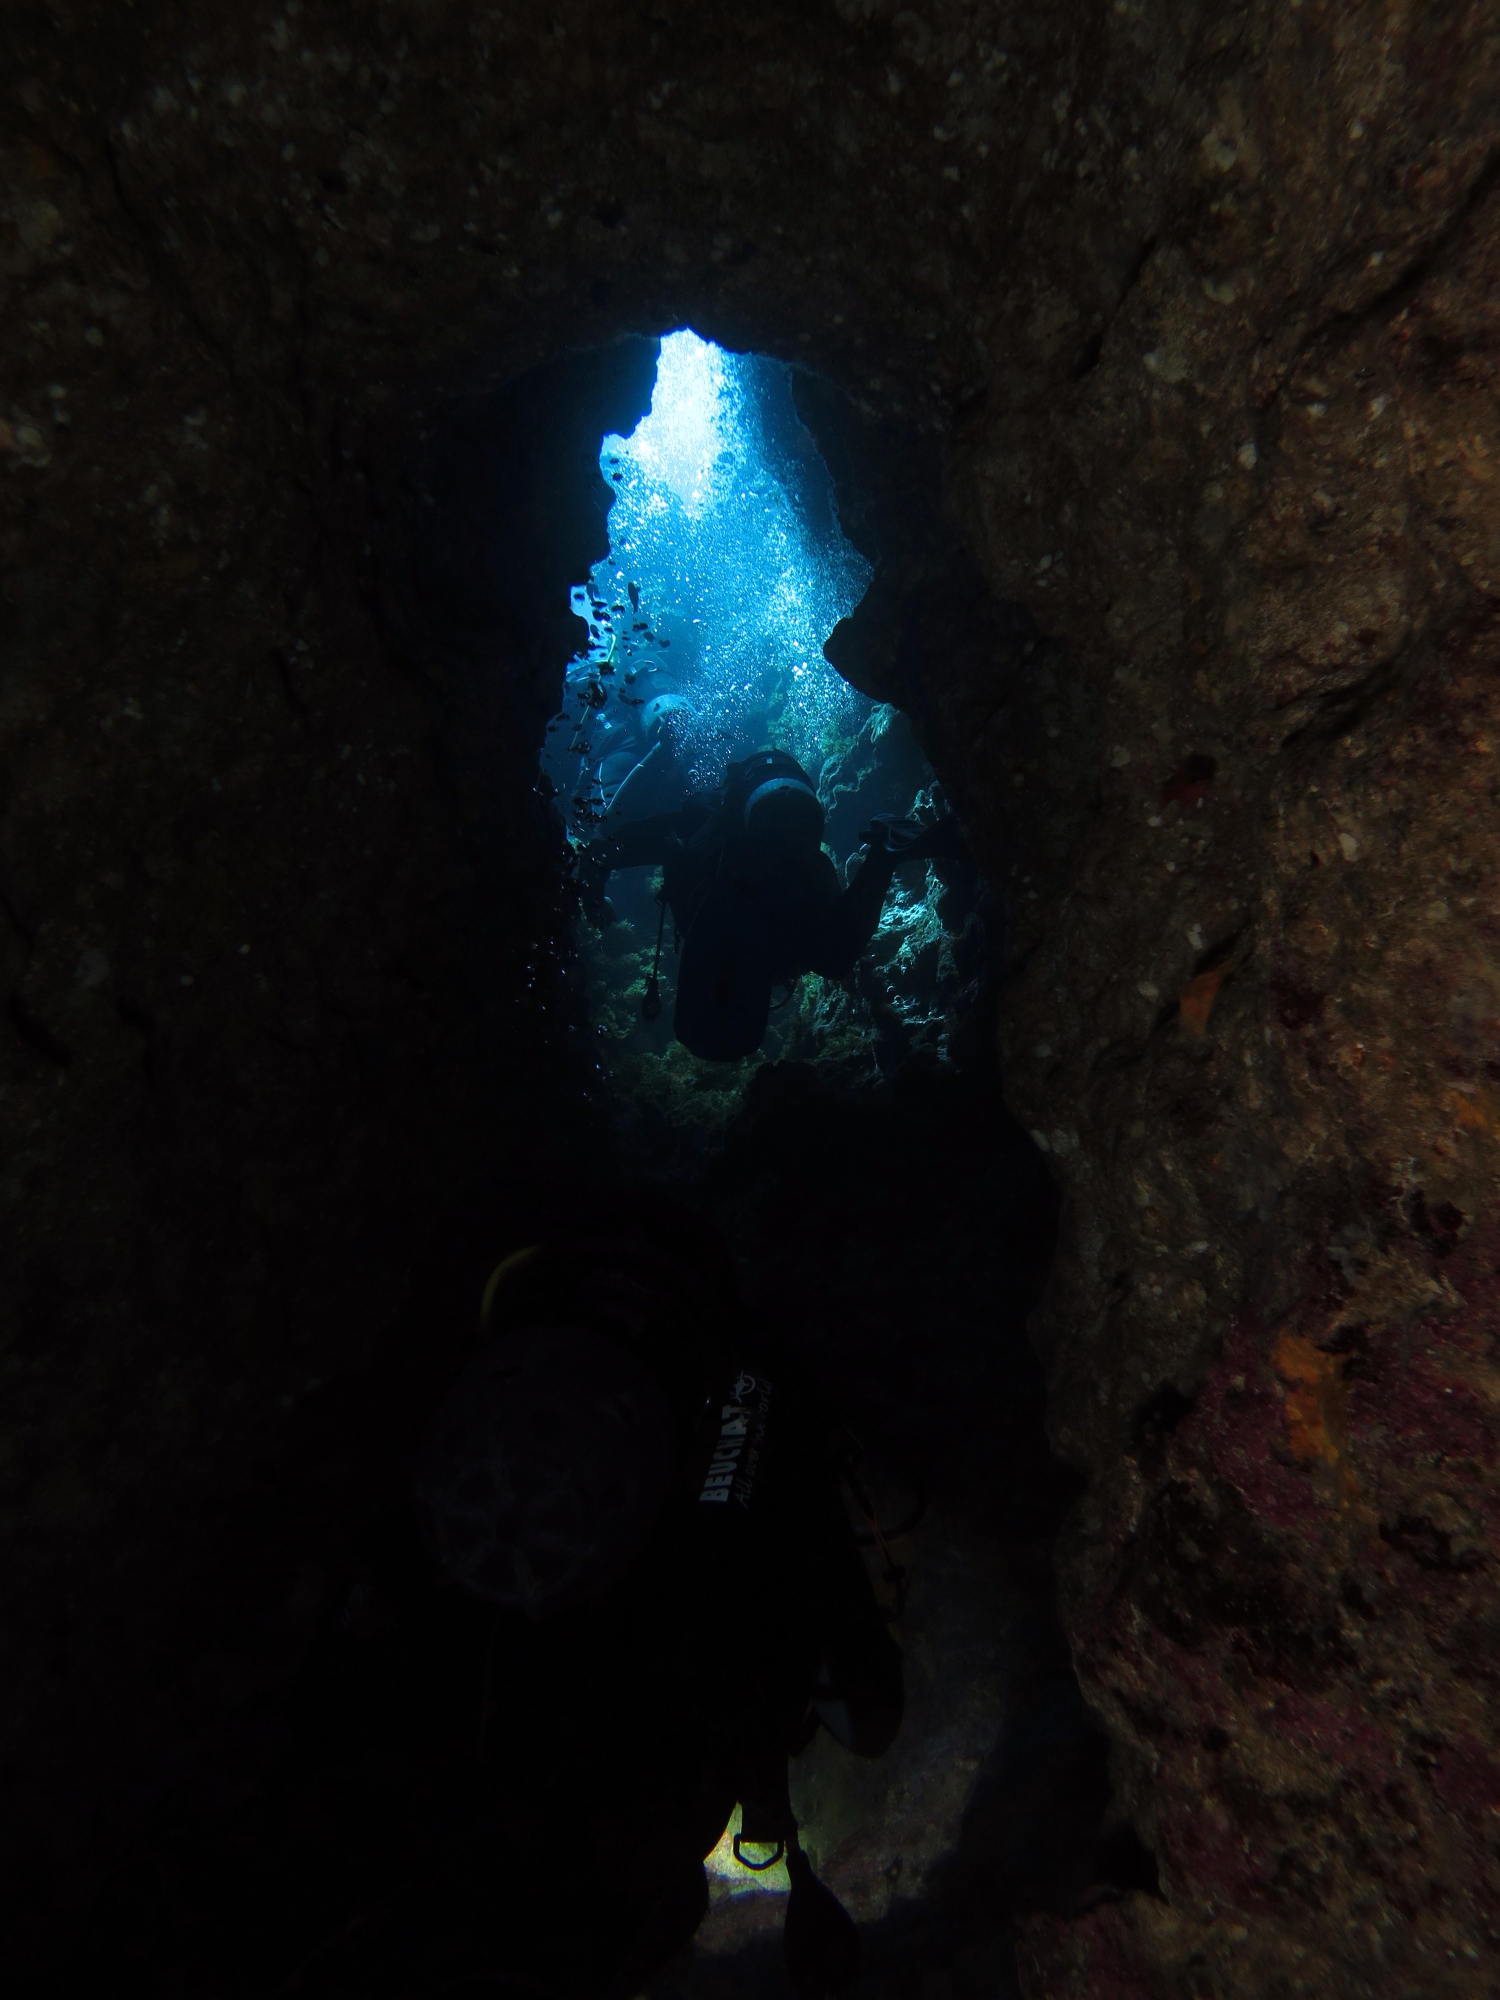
(1155, 357)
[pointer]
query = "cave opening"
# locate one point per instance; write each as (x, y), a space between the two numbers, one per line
(438, 1798)
(1152, 362)
(711, 522)
(727, 573)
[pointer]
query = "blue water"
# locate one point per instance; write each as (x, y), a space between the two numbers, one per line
(727, 571)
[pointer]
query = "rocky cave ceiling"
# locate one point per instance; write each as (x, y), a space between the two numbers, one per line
(1190, 309)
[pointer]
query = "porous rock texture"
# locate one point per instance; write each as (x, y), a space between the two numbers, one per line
(1193, 305)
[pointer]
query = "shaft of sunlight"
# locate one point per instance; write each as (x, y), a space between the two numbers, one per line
(726, 573)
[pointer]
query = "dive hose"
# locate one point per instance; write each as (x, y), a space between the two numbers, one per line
(651, 1005)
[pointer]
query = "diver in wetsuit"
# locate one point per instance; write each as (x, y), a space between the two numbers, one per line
(641, 773)
(755, 899)
(627, 1592)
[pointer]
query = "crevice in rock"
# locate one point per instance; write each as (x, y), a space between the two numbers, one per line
(810, 1170)
(279, 886)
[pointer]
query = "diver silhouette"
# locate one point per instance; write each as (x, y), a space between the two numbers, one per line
(626, 1588)
(755, 900)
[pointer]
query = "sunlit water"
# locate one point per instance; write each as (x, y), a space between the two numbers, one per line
(726, 573)
(703, 638)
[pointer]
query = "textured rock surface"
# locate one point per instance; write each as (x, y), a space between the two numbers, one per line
(1193, 305)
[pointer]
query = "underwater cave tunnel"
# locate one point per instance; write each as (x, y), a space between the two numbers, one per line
(1175, 333)
(882, 1208)
(889, 1218)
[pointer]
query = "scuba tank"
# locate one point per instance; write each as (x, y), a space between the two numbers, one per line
(769, 816)
(725, 976)
(767, 809)
(773, 805)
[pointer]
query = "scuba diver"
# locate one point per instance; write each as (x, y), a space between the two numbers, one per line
(641, 774)
(628, 1591)
(755, 900)
(625, 755)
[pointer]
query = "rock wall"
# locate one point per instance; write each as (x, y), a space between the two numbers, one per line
(1193, 305)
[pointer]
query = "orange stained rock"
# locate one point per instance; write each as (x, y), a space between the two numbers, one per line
(1479, 1113)
(1197, 1002)
(1314, 1398)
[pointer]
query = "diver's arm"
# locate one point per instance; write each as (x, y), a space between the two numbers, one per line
(889, 843)
(819, 926)
(856, 917)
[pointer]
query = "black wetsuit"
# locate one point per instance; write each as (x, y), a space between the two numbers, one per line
(488, 1758)
(749, 916)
